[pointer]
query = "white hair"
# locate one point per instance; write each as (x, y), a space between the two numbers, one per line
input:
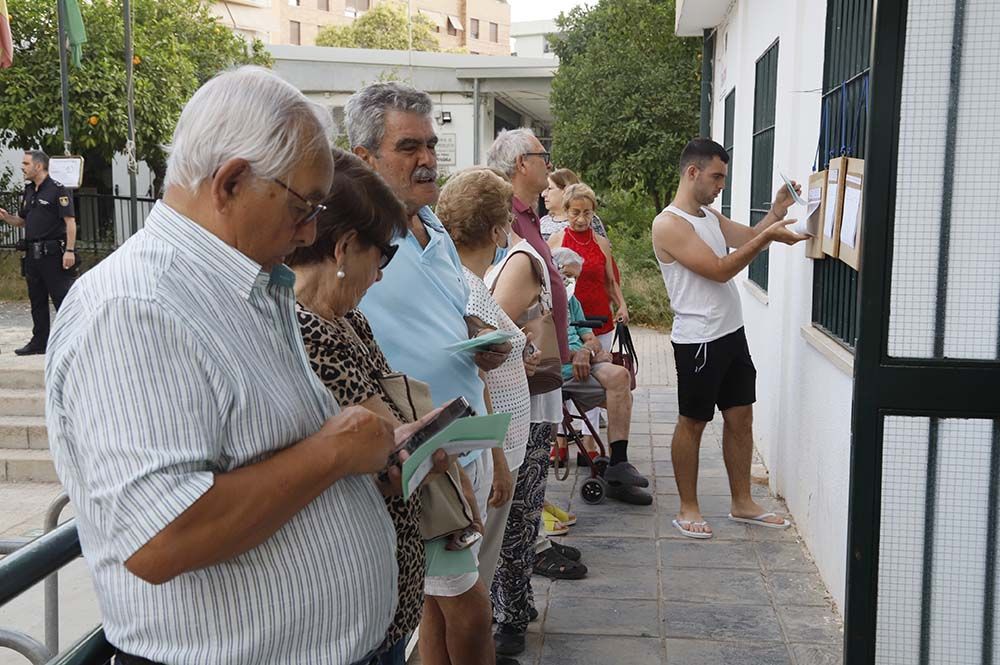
(364, 112)
(564, 256)
(246, 113)
(508, 146)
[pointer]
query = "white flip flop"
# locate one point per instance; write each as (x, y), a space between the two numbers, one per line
(692, 534)
(759, 521)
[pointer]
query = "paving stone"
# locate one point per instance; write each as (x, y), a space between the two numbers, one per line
(692, 553)
(599, 616)
(618, 583)
(617, 522)
(606, 552)
(811, 624)
(797, 589)
(578, 649)
(705, 585)
(747, 623)
(784, 557)
(699, 652)
(662, 454)
(817, 654)
(707, 485)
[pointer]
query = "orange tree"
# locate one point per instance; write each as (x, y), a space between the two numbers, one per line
(178, 45)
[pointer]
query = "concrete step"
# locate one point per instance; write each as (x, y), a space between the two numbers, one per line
(27, 466)
(23, 433)
(22, 402)
(22, 377)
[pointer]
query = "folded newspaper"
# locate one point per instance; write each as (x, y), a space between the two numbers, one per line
(460, 437)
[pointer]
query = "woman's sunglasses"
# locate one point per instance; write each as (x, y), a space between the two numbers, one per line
(388, 251)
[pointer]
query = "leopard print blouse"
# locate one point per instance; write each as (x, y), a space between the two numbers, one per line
(346, 357)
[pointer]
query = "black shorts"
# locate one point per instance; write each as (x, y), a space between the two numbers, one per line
(717, 373)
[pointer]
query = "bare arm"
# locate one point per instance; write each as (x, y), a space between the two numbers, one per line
(517, 287)
(676, 240)
(11, 218)
(70, 233)
(555, 240)
(612, 285)
(737, 234)
(247, 506)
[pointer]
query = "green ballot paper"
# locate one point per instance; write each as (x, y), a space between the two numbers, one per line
(441, 562)
(462, 436)
(478, 343)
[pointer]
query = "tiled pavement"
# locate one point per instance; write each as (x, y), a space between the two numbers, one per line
(748, 596)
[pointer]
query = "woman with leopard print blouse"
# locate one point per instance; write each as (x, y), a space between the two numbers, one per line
(353, 244)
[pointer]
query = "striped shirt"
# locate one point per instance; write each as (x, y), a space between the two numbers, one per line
(175, 359)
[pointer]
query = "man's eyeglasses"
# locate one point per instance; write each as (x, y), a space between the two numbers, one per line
(546, 157)
(314, 208)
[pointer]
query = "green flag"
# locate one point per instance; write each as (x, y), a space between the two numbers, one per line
(75, 31)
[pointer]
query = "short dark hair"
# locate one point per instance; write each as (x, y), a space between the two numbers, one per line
(38, 157)
(360, 200)
(700, 152)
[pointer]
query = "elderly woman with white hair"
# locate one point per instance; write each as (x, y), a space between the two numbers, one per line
(591, 370)
(227, 508)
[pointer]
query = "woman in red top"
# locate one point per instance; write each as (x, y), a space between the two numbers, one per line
(596, 288)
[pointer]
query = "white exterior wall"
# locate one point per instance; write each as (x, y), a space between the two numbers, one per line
(803, 411)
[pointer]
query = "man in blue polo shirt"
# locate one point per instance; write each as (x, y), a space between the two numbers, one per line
(415, 311)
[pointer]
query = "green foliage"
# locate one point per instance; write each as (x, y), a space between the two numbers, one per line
(626, 96)
(628, 216)
(178, 44)
(385, 26)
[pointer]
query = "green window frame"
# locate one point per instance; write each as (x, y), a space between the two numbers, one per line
(728, 140)
(762, 170)
(842, 132)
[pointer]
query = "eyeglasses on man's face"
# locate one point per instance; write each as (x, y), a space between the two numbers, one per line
(546, 157)
(314, 208)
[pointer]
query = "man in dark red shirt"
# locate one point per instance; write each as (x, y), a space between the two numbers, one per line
(520, 155)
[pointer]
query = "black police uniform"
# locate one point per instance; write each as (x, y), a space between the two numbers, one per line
(44, 209)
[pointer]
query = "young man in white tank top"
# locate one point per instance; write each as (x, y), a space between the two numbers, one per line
(714, 368)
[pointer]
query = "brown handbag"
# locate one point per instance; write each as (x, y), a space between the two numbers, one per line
(443, 507)
(539, 322)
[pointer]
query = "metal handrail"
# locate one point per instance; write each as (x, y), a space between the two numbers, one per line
(27, 564)
(37, 560)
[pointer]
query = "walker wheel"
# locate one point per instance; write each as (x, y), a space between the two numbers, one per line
(593, 490)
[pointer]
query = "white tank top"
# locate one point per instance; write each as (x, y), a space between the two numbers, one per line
(704, 310)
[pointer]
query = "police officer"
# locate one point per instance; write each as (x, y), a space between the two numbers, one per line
(50, 244)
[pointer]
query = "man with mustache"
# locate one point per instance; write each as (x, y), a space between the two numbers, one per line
(416, 310)
(714, 368)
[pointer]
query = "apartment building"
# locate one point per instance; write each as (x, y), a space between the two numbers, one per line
(478, 26)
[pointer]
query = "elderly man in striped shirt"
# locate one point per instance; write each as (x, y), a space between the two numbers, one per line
(226, 510)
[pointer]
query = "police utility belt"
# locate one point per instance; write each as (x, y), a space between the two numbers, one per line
(36, 249)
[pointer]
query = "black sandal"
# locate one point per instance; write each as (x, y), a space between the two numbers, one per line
(555, 566)
(570, 553)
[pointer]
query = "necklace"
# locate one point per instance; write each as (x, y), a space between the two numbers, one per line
(576, 236)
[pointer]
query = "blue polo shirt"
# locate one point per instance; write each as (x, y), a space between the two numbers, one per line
(418, 308)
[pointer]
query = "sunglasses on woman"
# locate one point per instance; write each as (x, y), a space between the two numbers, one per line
(388, 251)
